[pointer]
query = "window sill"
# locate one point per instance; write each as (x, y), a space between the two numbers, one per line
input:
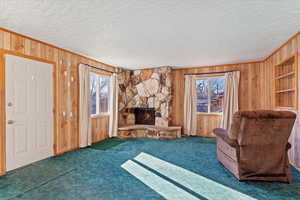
(210, 114)
(100, 115)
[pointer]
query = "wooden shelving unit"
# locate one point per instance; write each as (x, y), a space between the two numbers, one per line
(286, 83)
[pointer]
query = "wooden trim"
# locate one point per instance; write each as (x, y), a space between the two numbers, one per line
(209, 114)
(243, 63)
(56, 47)
(210, 66)
(100, 69)
(181, 68)
(98, 116)
(69, 150)
(2, 117)
(208, 76)
(287, 90)
(103, 73)
(281, 46)
(55, 108)
(284, 75)
(285, 60)
(285, 108)
(3, 104)
(4, 51)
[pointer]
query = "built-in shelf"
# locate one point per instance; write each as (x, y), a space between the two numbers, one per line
(285, 75)
(285, 90)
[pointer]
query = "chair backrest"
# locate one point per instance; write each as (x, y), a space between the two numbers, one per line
(262, 127)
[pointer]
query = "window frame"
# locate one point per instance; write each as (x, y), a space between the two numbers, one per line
(98, 113)
(209, 94)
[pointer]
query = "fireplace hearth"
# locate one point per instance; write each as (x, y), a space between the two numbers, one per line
(144, 116)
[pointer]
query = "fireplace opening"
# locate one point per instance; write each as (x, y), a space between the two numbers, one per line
(144, 116)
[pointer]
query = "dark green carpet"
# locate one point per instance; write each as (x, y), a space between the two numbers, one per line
(96, 174)
(107, 144)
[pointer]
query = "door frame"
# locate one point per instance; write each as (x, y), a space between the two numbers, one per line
(3, 104)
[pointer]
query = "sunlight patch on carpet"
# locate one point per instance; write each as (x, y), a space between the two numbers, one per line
(195, 182)
(161, 186)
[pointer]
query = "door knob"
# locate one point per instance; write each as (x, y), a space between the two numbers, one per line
(9, 104)
(10, 121)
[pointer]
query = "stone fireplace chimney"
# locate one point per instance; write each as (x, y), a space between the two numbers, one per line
(149, 89)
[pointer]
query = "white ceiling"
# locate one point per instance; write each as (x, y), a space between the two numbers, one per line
(150, 33)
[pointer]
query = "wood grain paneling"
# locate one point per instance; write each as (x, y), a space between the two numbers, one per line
(207, 123)
(256, 84)
(255, 87)
(285, 87)
(290, 48)
(66, 86)
(252, 92)
(100, 125)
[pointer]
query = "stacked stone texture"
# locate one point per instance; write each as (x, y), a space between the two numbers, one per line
(150, 88)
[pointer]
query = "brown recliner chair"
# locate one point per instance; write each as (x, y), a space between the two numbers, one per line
(256, 146)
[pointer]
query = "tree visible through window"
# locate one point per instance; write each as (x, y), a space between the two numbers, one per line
(99, 94)
(210, 94)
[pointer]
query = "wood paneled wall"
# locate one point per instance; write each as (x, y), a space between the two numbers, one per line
(66, 89)
(253, 92)
(288, 49)
(100, 125)
(207, 123)
(256, 85)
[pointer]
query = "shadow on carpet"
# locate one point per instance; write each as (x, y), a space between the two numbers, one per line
(107, 144)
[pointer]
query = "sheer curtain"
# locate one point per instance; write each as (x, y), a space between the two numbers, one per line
(85, 126)
(190, 100)
(113, 119)
(231, 98)
(294, 153)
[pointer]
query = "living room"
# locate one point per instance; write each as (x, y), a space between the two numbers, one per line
(149, 99)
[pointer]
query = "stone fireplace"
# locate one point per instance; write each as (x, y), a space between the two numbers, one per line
(145, 104)
(150, 88)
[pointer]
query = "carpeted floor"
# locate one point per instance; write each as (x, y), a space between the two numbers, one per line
(97, 174)
(108, 144)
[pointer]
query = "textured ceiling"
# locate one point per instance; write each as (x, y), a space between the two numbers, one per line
(150, 33)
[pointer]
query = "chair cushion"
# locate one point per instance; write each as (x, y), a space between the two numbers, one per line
(222, 133)
(266, 114)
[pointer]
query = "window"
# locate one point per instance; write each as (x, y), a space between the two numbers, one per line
(99, 94)
(210, 95)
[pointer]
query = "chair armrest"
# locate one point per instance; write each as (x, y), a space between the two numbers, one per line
(222, 133)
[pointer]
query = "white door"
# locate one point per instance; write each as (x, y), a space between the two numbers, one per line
(29, 128)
